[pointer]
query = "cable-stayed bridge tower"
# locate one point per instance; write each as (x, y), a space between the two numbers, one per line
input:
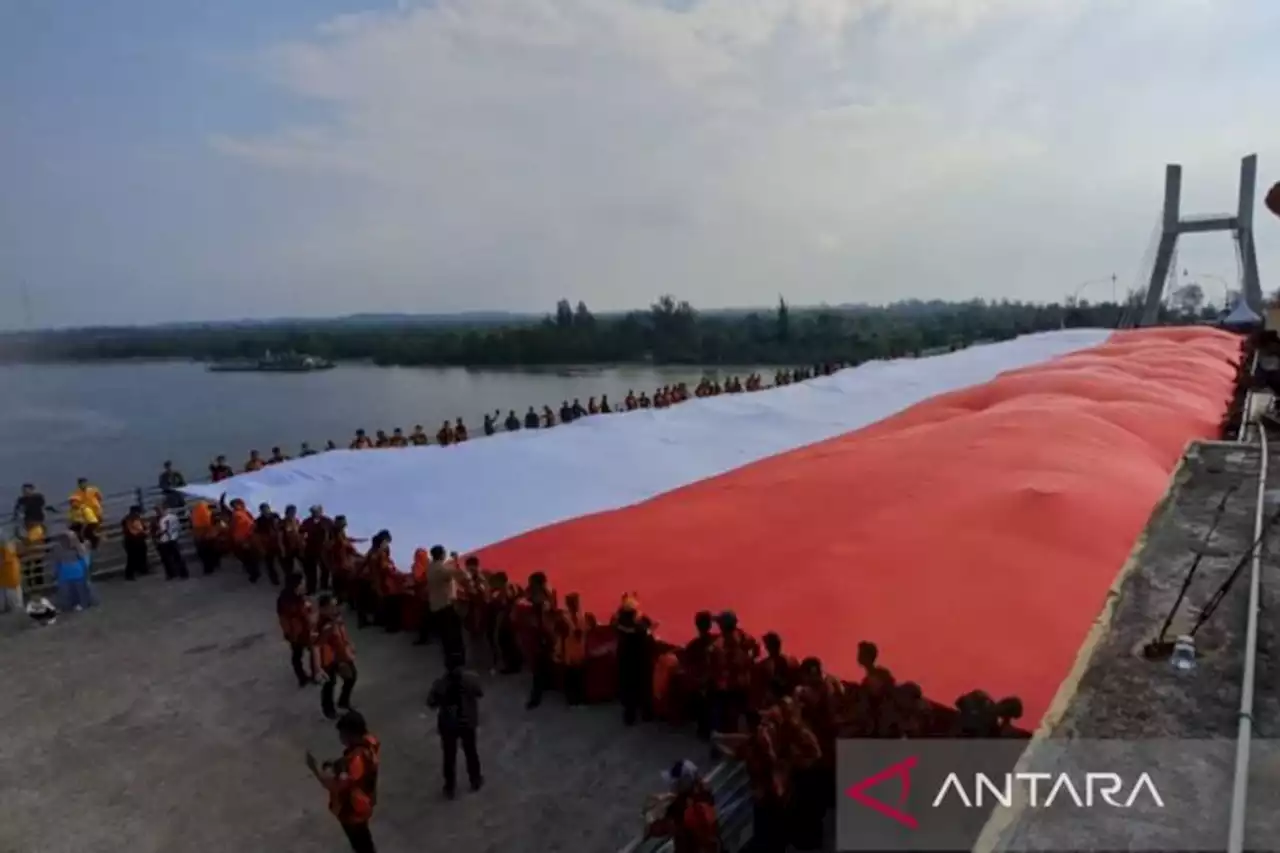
(1174, 224)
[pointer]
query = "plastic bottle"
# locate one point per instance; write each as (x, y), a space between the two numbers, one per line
(1184, 654)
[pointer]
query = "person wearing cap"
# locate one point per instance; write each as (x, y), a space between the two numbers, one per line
(352, 780)
(688, 816)
(635, 660)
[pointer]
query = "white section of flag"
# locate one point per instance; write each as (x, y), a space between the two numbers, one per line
(487, 490)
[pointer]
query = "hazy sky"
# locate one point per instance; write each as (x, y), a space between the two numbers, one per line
(185, 159)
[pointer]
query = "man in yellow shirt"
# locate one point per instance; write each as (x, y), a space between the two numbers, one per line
(10, 577)
(86, 512)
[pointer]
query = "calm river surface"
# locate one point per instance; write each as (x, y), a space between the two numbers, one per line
(115, 423)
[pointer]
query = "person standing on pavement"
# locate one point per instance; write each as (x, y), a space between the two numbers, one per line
(443, 577)
(352, 780)
(133, 535)
(455, 696)
(168, 532)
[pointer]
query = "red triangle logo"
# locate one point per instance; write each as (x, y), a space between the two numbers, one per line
(900, 771)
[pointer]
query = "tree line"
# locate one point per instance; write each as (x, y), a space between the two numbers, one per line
(671, 331)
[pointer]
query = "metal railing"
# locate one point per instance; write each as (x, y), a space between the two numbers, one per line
(730, 785)
(109, 557)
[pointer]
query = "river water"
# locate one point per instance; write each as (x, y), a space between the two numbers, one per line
(116, 422)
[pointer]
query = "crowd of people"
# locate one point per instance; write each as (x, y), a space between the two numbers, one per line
(748, 698)
(457, 432)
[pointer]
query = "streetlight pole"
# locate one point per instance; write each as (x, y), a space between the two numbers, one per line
(1074, 299)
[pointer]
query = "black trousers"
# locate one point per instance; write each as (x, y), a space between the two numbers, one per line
(297, 651)
(447, 623)
(249, 559)
(543, 675)
(135, 558)
(171, 558)
(209, 555)
(310, 564)
(575, 684)
(392, 610)
(360, 837)
(348, 674)
(269, 565)
(426, 625)
(768, 827)
(807, 809)
(287, 561)
(366, 603)
(450, 740)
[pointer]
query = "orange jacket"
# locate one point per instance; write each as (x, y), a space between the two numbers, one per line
(333, 643)
(353, 790)
(242, 526)
(201, 520)
(294, 613)
(571, 637)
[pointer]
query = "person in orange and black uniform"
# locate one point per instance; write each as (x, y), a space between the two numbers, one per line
(689, 816)
(290, 541)
(336, 655)
(293, 609)
(571, 647)
(635, 661)
(733, 657)
(352, 780)
(220, 470)
(759, 751)
(134, 537)
(695, 662)
(543, 619)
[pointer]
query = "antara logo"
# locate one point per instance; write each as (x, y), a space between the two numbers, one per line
(988, 792)
(1109, 788)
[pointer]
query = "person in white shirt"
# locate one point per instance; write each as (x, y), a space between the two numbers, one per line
(168, 534)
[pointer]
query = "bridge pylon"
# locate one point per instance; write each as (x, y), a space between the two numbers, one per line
(1174, 225)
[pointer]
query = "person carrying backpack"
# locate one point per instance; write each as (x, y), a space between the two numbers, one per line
(456, 698)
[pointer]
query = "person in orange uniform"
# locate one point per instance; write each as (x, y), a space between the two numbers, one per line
(689, 813)
(775, 674)
(459, 431)
(572, 626)
(758, 749)
(398, 439)
(542, 620)
(205, 533)
(361, 441)
(352, 780)
(339, 561)
(732, 662)
(695, 672)
(290, 545)
(801, 760)
(421, 560)
(242, 527)
(336, 656)
(444, 436)
(293, 609)
(389, 584)
(255, 463)
(86, 508)
(635, 660)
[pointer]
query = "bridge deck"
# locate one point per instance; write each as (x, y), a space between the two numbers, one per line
(167, 719)
(1122, 696)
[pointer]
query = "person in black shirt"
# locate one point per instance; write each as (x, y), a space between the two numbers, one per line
(315, 537)
(531, 419)
(512, 422)
(266, 532)
(171, 480)
(491, 423)
(31, 507)
(456, 698)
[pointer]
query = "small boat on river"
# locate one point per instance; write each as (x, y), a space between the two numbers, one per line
(286, 363)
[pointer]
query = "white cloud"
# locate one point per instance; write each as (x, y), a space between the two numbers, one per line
(505, 152)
